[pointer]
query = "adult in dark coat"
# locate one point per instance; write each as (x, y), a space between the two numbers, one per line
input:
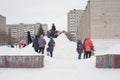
(79, 48)
(51, 46)
(53, 30)
(35, 43)
(84, 56)
(29, 37)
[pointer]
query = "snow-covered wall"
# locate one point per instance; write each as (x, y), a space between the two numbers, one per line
(27, 61)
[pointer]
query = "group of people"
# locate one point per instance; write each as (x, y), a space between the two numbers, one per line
(52, 32)
(40, 43)
(86, 47)
(24, 42)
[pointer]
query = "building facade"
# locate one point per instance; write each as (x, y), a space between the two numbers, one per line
(2, 23)
(101, 20)
(2, 30)
(18, 31)
(74, 17)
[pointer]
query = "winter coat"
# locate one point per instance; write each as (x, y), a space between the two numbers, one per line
(48, 34)
(53, 28)
(51, 45)
(79, 47)
(41, 42)
(29, 37)
(88, 44)
(23, 41)
(35, 44)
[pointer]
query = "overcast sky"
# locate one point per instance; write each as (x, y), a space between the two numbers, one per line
(43, 11)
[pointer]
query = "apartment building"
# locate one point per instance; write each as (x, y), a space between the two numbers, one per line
(74, 17)
(2, 24)
(12, 31)
(18, 31)
(101, 20)
(3, 36)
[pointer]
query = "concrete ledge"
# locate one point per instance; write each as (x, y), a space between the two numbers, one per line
(24, 61)
(108, 61)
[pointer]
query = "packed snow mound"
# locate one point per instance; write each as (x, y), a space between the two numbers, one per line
(28, 50)
(61, 44)
(62, 37)
(106, 46)
(64, 47)
(114, 50)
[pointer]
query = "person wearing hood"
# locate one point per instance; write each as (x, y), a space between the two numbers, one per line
(35, 43)
(79, 48)
(53, 27)
(42, 43)
(88, 47)
(53, 30)
(51, 45)
(23, 42)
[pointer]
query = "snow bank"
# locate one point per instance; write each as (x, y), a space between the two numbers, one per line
(64, 47)
(114, 50)
(106, 46)
(28, 50)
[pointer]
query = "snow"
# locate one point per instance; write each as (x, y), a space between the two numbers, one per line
(64, 65)
(107, 46)
(28, 50)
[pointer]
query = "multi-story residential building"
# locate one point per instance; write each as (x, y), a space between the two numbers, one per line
(18, 31)
(13, 32)
(74, 17)
(101, 19)
(2, 24)
(3, 30)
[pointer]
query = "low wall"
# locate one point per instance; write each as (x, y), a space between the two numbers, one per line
(108, 61)
(25, 61)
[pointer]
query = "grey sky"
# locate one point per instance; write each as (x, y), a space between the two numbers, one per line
(44, 11)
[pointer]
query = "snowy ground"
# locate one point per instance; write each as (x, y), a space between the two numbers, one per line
(64, 65)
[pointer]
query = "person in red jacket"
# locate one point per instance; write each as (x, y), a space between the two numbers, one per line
(88, 47)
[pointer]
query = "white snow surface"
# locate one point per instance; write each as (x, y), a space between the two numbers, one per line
(64, 65)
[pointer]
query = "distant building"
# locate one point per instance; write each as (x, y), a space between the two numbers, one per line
(3, 30)
(74, 17)
(18, 31)
(2, 24)
(100, 20)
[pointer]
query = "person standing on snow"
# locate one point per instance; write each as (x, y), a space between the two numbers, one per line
(51, 46)
(29, 37)
(84, 56)
(23, 42)
(42, 43)
(88, 47)
(79, 48)
(53, 30)
(35, 43)
(53, 27)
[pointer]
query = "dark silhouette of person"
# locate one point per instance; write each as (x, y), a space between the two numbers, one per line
(29, 37)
